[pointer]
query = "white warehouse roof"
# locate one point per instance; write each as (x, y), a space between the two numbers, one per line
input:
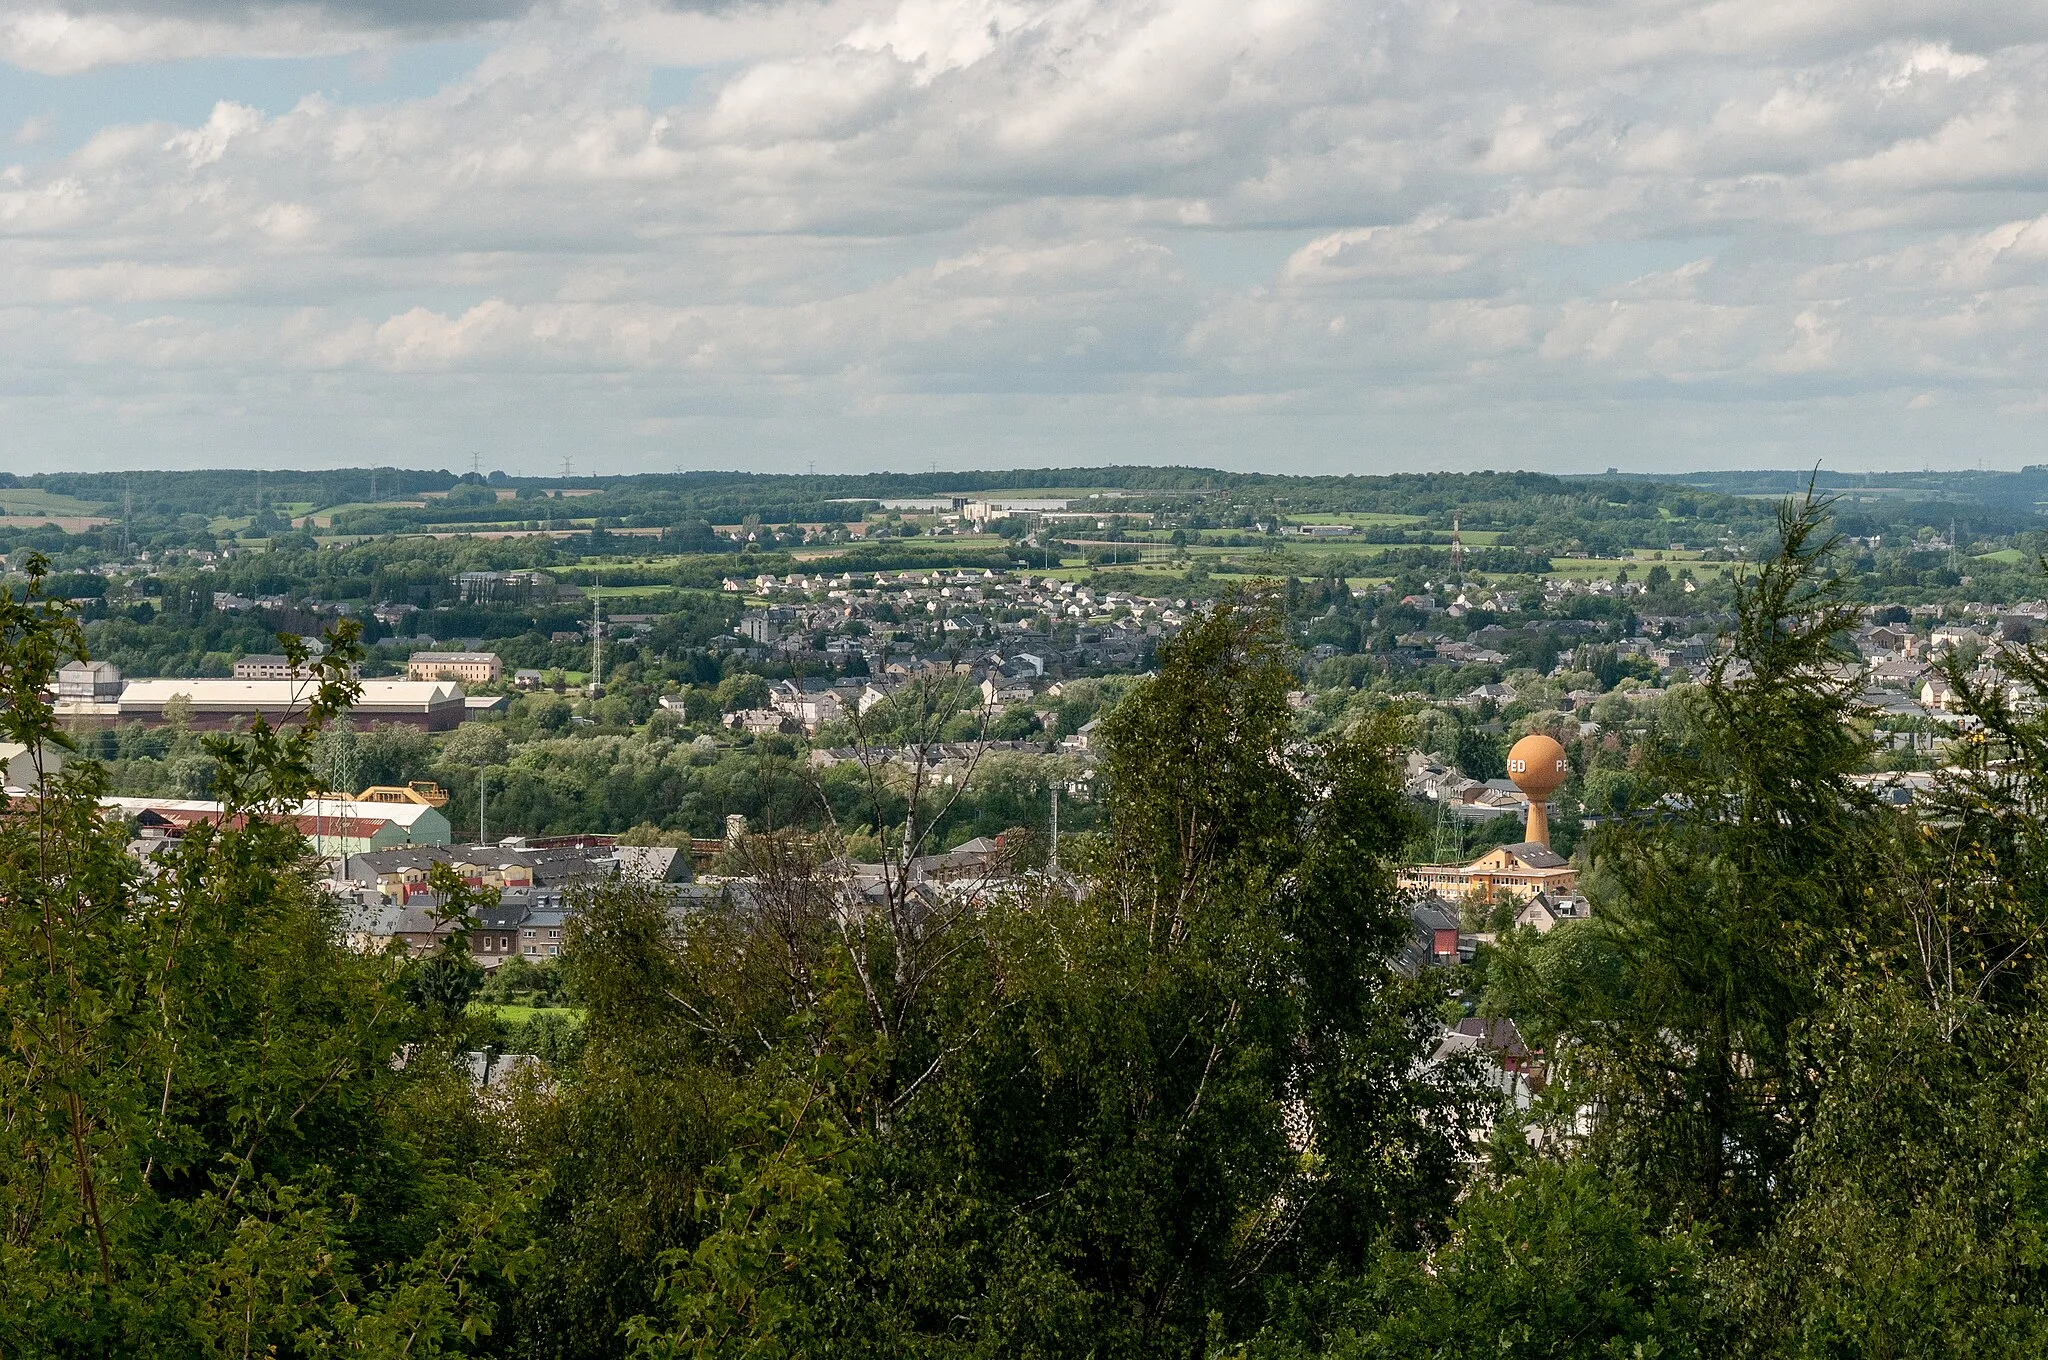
(246, 694)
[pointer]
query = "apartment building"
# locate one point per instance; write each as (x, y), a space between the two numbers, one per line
(471, 668)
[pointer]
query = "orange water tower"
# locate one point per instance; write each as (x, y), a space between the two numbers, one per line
(1538, 766)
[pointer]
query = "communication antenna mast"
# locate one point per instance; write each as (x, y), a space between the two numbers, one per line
(1053, 861)
(1457, 549)
(127, 515)
(596, 633)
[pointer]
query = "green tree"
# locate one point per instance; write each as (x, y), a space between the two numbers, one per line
(827, 1116)
(1479, 755)
(475, 745)
(742, 690)
(1720, 903)
(211, 1146)
(1913, 1213)
(1551, 1260)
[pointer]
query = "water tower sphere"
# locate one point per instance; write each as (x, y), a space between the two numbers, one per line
(1537, 765)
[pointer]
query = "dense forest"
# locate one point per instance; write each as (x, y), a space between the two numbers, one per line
(1533, 512)
(1177, 1098)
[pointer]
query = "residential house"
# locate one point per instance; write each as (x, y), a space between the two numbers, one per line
(1936, 692)
(368, 926)
(1083, 738)
(763, 722)
(1544, 911)
(1902, 673)
(1433, 938)
(1948, 637)
(809, 709)
(999, 692)
(18, 764)
(540, 932)
(421, 930)
(1466, 653)
(1501, 1043)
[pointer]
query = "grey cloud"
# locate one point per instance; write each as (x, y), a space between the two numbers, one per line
(409, 16)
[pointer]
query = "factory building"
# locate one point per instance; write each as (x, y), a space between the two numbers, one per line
(331, 826)
(214, 705)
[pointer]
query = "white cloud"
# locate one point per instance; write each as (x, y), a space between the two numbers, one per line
(33, 129)
(1077, 227)
(1935, 59)
(824, 98)
(132, 281)
(1405, 251)
(52, 41)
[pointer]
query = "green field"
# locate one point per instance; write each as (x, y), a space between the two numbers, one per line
(1638, 562)
(328, 512)
(519, 1015)
(24, 500)
(630, 592)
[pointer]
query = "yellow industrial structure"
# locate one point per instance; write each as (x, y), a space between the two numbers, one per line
(423, 792)
(1538, 766)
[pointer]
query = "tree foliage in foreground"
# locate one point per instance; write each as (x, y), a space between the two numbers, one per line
(220, 1133)
(1803, 1028)
(1135, 1117)
(1176, 1104)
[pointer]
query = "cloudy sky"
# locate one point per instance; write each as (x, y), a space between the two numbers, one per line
(1284, 234)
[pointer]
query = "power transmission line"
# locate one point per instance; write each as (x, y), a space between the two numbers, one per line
(1450, 843)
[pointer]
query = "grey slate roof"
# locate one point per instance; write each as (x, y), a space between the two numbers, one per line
(1536, 856)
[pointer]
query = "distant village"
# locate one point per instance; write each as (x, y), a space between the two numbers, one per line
(1573, 658)
(1017, 640)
